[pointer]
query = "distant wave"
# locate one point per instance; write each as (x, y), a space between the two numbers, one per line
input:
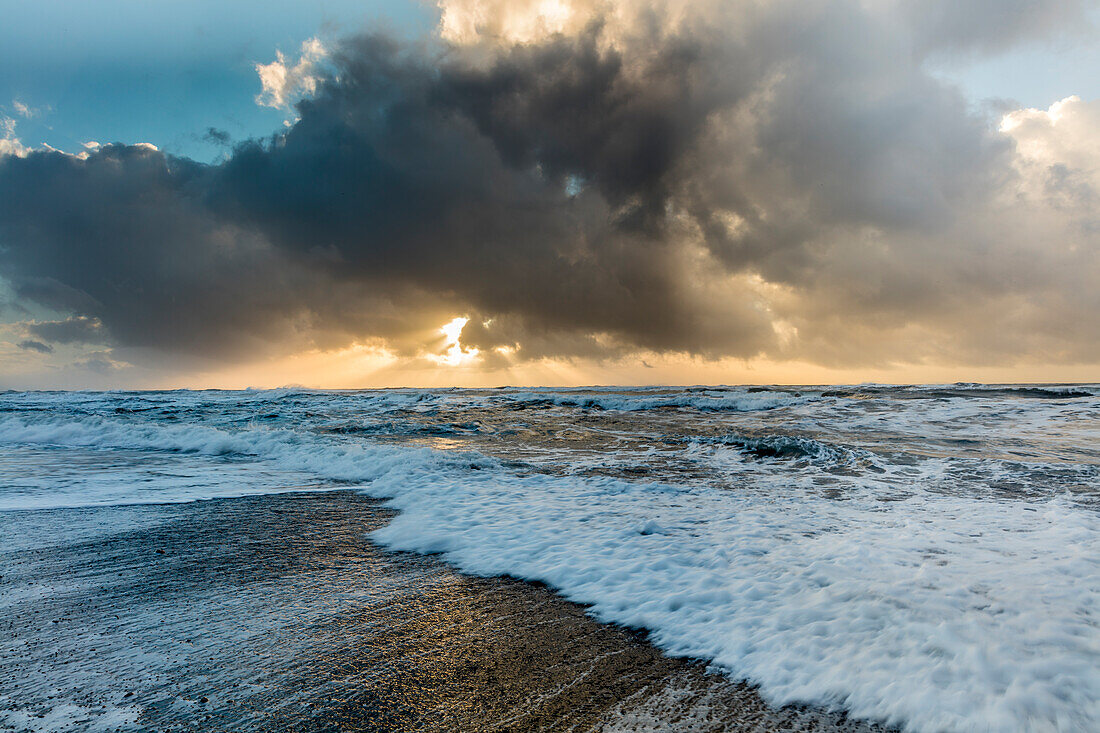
(971, 390)
(706, 402)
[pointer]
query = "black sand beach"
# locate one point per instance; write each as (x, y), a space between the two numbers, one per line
(276, 613)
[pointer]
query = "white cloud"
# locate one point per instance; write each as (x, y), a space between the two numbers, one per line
(1058, 149)
(522, 21)
(471, 22)
(284, 82)
(25, 110)
(9, 143)
(1064, 132)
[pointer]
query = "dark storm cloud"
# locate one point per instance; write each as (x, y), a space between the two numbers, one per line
(216, 136)
(595, 192)
(125, 238)
(451, 178)
(395, 177)
(38, 346)
(79, 329)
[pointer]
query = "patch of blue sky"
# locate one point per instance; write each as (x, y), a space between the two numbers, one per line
(163, 72)
(1035, 75)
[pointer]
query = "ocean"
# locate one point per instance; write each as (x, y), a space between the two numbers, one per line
(921, 558)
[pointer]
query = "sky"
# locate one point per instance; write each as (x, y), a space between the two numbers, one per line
(480, 192)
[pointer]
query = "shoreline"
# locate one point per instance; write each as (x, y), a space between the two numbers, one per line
(271, 612)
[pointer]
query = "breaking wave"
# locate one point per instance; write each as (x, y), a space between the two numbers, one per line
(787, 447)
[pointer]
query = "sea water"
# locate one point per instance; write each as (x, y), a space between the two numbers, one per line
(927, 557)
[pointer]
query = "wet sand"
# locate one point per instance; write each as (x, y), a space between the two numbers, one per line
(276, 613)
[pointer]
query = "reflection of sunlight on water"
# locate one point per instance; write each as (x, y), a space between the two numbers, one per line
(441, 443)
(277, 614)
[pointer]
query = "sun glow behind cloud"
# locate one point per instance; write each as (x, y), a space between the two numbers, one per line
(456, 354)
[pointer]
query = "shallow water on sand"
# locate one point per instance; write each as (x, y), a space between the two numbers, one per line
(276, 613)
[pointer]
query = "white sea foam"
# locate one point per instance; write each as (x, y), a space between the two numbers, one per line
(63, 717)
(933, 612)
